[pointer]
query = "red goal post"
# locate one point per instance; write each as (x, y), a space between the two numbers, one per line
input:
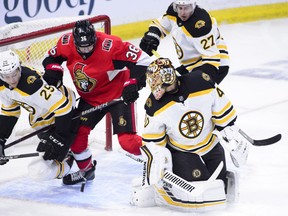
(31, 41)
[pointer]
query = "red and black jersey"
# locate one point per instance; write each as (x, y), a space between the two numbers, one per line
(100, 77)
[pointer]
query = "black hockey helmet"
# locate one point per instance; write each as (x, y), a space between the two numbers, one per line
(84, 33)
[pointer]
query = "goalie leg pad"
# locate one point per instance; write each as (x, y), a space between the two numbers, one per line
(156, 159)
(232, 194)
(212, 198)
(44, 170)
(143, 196)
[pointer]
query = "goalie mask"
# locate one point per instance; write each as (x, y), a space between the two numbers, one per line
(84, 37)
(160, 75)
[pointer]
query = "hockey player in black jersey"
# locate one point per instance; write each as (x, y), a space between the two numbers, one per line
(197, 39)
(21, 86)
(179, 146)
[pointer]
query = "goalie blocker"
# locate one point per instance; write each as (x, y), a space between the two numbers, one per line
(161, 187)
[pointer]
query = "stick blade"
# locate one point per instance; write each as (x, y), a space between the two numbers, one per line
(269, 141)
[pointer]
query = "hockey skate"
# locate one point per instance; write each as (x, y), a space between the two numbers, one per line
(69, 159)
(80, 176)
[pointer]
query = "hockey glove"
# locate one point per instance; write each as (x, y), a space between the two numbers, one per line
(2, 154)
(237, 145)
(182, 70)
(130, 92)
(151, 40)
(54, 147)
(54, 75)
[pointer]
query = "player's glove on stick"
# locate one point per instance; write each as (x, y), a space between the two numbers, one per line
(130, 92)
(54, 147)
(54, 75)
(151, 40)
(2, 154)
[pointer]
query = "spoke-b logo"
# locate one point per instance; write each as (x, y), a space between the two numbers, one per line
(191, 124)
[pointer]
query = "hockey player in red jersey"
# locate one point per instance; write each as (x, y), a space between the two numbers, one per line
(103, 68)
(196, 36)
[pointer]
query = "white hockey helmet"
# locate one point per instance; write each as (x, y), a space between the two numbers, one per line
(184, 2)
(9, 62)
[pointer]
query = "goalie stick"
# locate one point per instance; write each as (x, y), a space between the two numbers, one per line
(262, 142)
(85, 112)
(180, 183)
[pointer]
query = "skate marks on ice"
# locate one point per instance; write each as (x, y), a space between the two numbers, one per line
(276, 70)
(111, 186)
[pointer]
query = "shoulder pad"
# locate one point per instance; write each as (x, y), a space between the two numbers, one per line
(30, 81)
(199, 24)
(197, 81)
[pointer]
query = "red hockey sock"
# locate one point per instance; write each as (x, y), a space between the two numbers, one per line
(130, 142)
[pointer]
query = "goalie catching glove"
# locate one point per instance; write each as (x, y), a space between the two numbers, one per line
(54, 146)
(151, 40)
(235, 143)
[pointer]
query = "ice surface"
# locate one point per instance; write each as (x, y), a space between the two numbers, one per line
(257, 85)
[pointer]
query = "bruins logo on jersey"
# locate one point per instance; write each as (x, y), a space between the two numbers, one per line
(27, 107)
(196, 173)
(205, 76)
(146, 120)
(149, 102)
(31, 79)
(81, 80)
(199, 24)
(191, 124)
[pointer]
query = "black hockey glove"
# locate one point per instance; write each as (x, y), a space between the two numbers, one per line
(130, 92)
(2, 154)
(151, 40)
(54, 75)
(54, 146)
(182, 70)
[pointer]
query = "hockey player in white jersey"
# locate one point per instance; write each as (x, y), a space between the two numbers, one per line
(21, 86)
(197, 39)
(179, 146)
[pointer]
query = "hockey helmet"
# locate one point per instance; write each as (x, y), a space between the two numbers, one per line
(160, 75)
(183, 3)
(9, 62)
(84, 34)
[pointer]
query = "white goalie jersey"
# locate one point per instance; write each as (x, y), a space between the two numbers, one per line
(43, 102)
(197, 41)
(185, 120)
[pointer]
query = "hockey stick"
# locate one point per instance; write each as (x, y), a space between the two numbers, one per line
(19, 156)
(156, 54)
(85, 112)
(262, 142)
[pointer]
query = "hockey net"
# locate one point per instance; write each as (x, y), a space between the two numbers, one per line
(31, 41)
